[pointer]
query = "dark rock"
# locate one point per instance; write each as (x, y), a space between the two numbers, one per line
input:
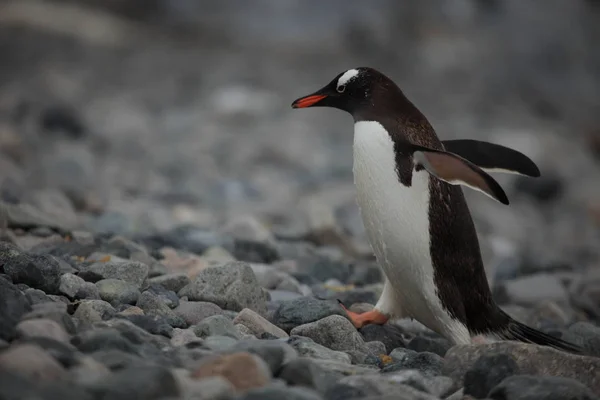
(429, 364)
(167, 296)
(280, 392)
(487, 372)
(273, 352)
(33, 362)
(531, 359)
(62, 120)
(152, 324)
(128, 271)
(154, 305)
(36, 296)
(195, 311)
(117, 291)
(371, 386)
(255, 251)
(90, 311)
(304, 310)
(116, 360)
(141, 382)
(40, 272)
(65, 353)
(189, 238)
(174, 281)
(422, 343)
(335, 332)
(307, 373)
(14, 386)
(55, 311)
(307, 348)
(390, 335)
(76, 288)
(13, 305)
(216, 325)
(527, 387)
(103, 339)
(231, 286)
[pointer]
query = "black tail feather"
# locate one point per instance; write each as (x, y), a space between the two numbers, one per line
(516, 330)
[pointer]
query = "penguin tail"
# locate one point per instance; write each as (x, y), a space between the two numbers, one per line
(515, 330)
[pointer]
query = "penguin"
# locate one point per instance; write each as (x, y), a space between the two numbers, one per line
(408, 189)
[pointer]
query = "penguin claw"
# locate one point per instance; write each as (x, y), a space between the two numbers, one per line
(370, 317)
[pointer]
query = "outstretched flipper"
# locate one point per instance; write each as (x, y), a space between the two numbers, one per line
(456, 170)
(492, 157)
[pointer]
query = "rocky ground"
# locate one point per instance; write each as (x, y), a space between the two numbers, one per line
(171, 229)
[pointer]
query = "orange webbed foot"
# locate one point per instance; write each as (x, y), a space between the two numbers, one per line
(366, 318)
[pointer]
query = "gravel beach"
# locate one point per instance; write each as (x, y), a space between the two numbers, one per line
(171, 229)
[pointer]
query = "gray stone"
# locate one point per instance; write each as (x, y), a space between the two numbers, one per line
(211, 388)
(367, 386)
(306, 347)
(439, 386)
(273, 352)
(174, 281)
(376, 348)
(168, 297)
(429, 364)
(216, 325)
(195, 311)
(390, 335)
(90, 311)
(305, 372)
(13, 305)
(139, 382)
(231, 286)
(278, 392)
(32, 362)
(133, 272)
(153, 305)
(71, 285)
(219, 343)
(181, 337)
(42, 328)
(487, 372)
(527, 387)
(531, 360)
(37, 271)
(257, 324)
(585, 335)
(423, 343)
(293, 313)
(334, 332)
(117, 291)
(88, 371)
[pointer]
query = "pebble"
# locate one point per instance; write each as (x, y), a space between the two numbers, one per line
(172, 281)
(487, 372)
(195, 311)
(530, 359)
(376, 348)
(243, 370)
(306, 347)
(429, 364)
(140, 382)
(117, 291)
(274, 352)
(13, 305)
(152, 304)
(215, 325)
(423, 343)
(231, 286)
(277, 393)
(133, 272)
(527, 387)
(37, 271)
(335, 332)
(168, 297)
(90, 311)
(72, 286)
(304, 310)
(258, 324)
(33, 362)
(42, 327)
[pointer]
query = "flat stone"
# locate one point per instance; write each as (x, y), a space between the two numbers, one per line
(173, 281)
(530, 359)
(195, 311)
(335, 332)
(90, 311)
(258, 324)
(306, 347)
(117, 291)
(304, 310)
(231, 286)
(133, 272)
(216, 325)
(244, 370)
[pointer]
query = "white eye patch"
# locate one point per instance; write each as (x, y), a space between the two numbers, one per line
(347, 77)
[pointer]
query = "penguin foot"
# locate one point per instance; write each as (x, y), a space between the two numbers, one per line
(366, 318)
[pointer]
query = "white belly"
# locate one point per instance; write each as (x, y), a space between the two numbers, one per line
(397, 225)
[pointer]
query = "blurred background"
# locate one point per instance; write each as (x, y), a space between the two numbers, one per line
(138, 116)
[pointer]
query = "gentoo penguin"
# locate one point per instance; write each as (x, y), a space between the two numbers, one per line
(415, 214)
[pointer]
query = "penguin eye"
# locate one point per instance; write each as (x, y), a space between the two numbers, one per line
(341, 88)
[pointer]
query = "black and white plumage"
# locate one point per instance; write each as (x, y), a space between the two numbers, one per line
(415, 214)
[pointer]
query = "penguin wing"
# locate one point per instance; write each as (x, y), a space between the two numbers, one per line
(455, 170)
(492, 157)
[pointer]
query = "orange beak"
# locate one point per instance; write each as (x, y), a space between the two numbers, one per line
(308, 101)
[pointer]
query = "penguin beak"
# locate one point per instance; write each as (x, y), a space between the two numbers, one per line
(310, 100)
